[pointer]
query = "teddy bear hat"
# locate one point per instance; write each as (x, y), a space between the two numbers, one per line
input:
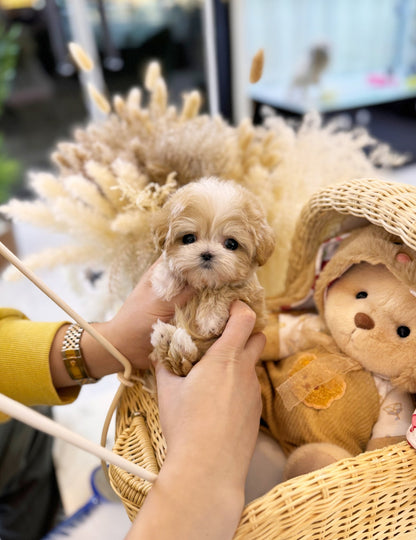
(333, 213)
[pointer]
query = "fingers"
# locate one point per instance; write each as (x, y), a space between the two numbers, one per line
(236, 339)
(255, 346)
(239, 326)
(165, 379)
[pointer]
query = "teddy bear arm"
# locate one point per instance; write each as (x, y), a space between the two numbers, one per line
(287, 334)
(393, 421)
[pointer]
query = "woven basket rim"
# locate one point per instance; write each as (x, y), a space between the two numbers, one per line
(378, 488)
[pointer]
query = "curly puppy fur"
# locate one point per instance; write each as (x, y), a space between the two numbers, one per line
(214, 235)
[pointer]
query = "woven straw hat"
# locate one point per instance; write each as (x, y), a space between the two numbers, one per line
(342, 208)
(373, 493)
(373, 245)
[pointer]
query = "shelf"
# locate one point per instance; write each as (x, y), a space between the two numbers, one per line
(335, 94)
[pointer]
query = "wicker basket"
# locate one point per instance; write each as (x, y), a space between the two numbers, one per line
(371, 496)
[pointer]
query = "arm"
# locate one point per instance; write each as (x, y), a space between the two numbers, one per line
(32, 370)
(24, 353)
(395, 417)
(129, 331)
(288, 333)
(210, 419)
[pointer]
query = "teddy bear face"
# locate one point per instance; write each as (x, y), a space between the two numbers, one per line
(372, 317)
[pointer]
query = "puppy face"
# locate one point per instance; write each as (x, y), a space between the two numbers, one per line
(213, 232)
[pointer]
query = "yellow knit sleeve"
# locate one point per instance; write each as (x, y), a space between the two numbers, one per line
(24, 356)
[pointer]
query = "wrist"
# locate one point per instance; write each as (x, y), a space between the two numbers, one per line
(98, 360)
(73, 357)
(215, 475)
(131, 336)
(208, 490)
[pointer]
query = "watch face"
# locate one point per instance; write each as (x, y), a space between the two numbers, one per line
(72, 356)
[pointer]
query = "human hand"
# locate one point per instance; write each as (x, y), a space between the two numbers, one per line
(129, 330)
(212, 415)
(210, 419)
(131, 327)
(219, 400)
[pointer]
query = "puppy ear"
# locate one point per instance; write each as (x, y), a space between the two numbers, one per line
(263, 234)
(160, 228)
(265, 242)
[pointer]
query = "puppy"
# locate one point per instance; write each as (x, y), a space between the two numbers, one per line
(213, 235)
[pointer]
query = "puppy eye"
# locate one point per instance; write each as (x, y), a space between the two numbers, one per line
(403, 331)
(231, 244)
(361, 294)
(188, 239)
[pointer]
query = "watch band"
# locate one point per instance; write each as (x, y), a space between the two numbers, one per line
(72, 356)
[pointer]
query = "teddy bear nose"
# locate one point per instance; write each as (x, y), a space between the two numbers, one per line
(364, 321)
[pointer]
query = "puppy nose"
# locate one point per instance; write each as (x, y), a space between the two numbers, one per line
(206, 256)
(364, 321)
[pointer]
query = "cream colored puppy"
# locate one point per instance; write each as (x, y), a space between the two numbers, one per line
(214, 236)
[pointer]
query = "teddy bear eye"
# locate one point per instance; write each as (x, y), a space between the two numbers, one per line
(188, 239)
(231, 244)
(403, 331)
(361, 294)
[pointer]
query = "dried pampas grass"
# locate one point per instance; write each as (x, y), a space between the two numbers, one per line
(114, 175)
(257, 64)
(80, 57)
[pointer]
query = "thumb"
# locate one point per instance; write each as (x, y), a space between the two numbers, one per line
(165, 379)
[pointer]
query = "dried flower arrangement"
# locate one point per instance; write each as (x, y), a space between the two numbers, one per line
(115, 174)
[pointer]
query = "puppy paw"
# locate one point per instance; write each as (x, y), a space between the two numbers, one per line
(183, 352)
(174, 347)
(160, 339)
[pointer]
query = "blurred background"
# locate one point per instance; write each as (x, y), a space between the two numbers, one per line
(353, 58)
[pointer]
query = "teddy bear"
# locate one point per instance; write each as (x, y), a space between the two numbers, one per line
(342, 380)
